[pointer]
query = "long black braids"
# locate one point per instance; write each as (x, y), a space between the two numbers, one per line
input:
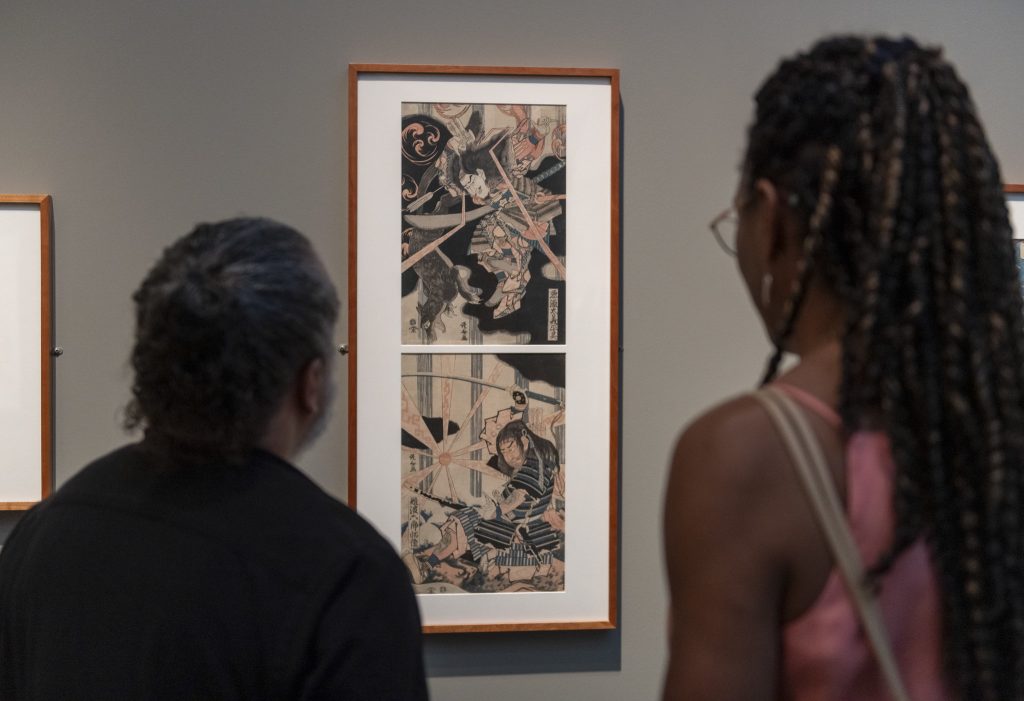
(878, 144)
(791, 307)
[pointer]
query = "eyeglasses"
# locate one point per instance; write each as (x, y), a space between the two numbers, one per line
(724, 227)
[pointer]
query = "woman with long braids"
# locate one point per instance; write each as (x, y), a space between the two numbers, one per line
(872, 233)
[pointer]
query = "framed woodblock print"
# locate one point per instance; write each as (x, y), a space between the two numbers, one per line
(1015, 204)
(483, 323)
(25, 368)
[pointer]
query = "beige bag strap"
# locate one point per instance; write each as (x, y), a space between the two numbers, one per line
(812, 467)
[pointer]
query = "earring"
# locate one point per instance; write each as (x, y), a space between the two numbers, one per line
(766, 289)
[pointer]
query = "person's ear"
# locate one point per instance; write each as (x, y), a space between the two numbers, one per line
(770, 216)
(311, 382)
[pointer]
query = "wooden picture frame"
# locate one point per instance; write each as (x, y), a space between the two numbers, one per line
(26, 419)
(497, 357)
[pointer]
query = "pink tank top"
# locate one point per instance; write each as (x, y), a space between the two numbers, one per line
(825, 654)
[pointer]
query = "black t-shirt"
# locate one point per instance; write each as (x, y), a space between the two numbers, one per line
(136, 581)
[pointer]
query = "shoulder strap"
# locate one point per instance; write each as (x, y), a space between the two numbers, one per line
(812, 468)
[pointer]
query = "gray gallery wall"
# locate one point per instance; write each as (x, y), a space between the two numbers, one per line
(144, 118)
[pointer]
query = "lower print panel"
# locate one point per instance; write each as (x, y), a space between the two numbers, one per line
(483, 472)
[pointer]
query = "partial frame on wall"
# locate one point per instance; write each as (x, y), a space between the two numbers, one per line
(1015, 205)
(484, 336)
(26, 419)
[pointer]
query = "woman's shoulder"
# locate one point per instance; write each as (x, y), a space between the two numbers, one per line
(729, 443)
(731, 480)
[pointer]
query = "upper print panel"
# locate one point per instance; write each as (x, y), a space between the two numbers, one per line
(483, 224)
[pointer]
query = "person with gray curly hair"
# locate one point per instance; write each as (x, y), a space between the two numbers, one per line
(198, 562)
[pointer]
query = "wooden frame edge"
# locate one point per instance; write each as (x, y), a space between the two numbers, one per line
(528, 71)
(614, 354)
(355, 70)
(1013, 189)
(17, 505)
(46, 357)
(519, 627)
(353, 347)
